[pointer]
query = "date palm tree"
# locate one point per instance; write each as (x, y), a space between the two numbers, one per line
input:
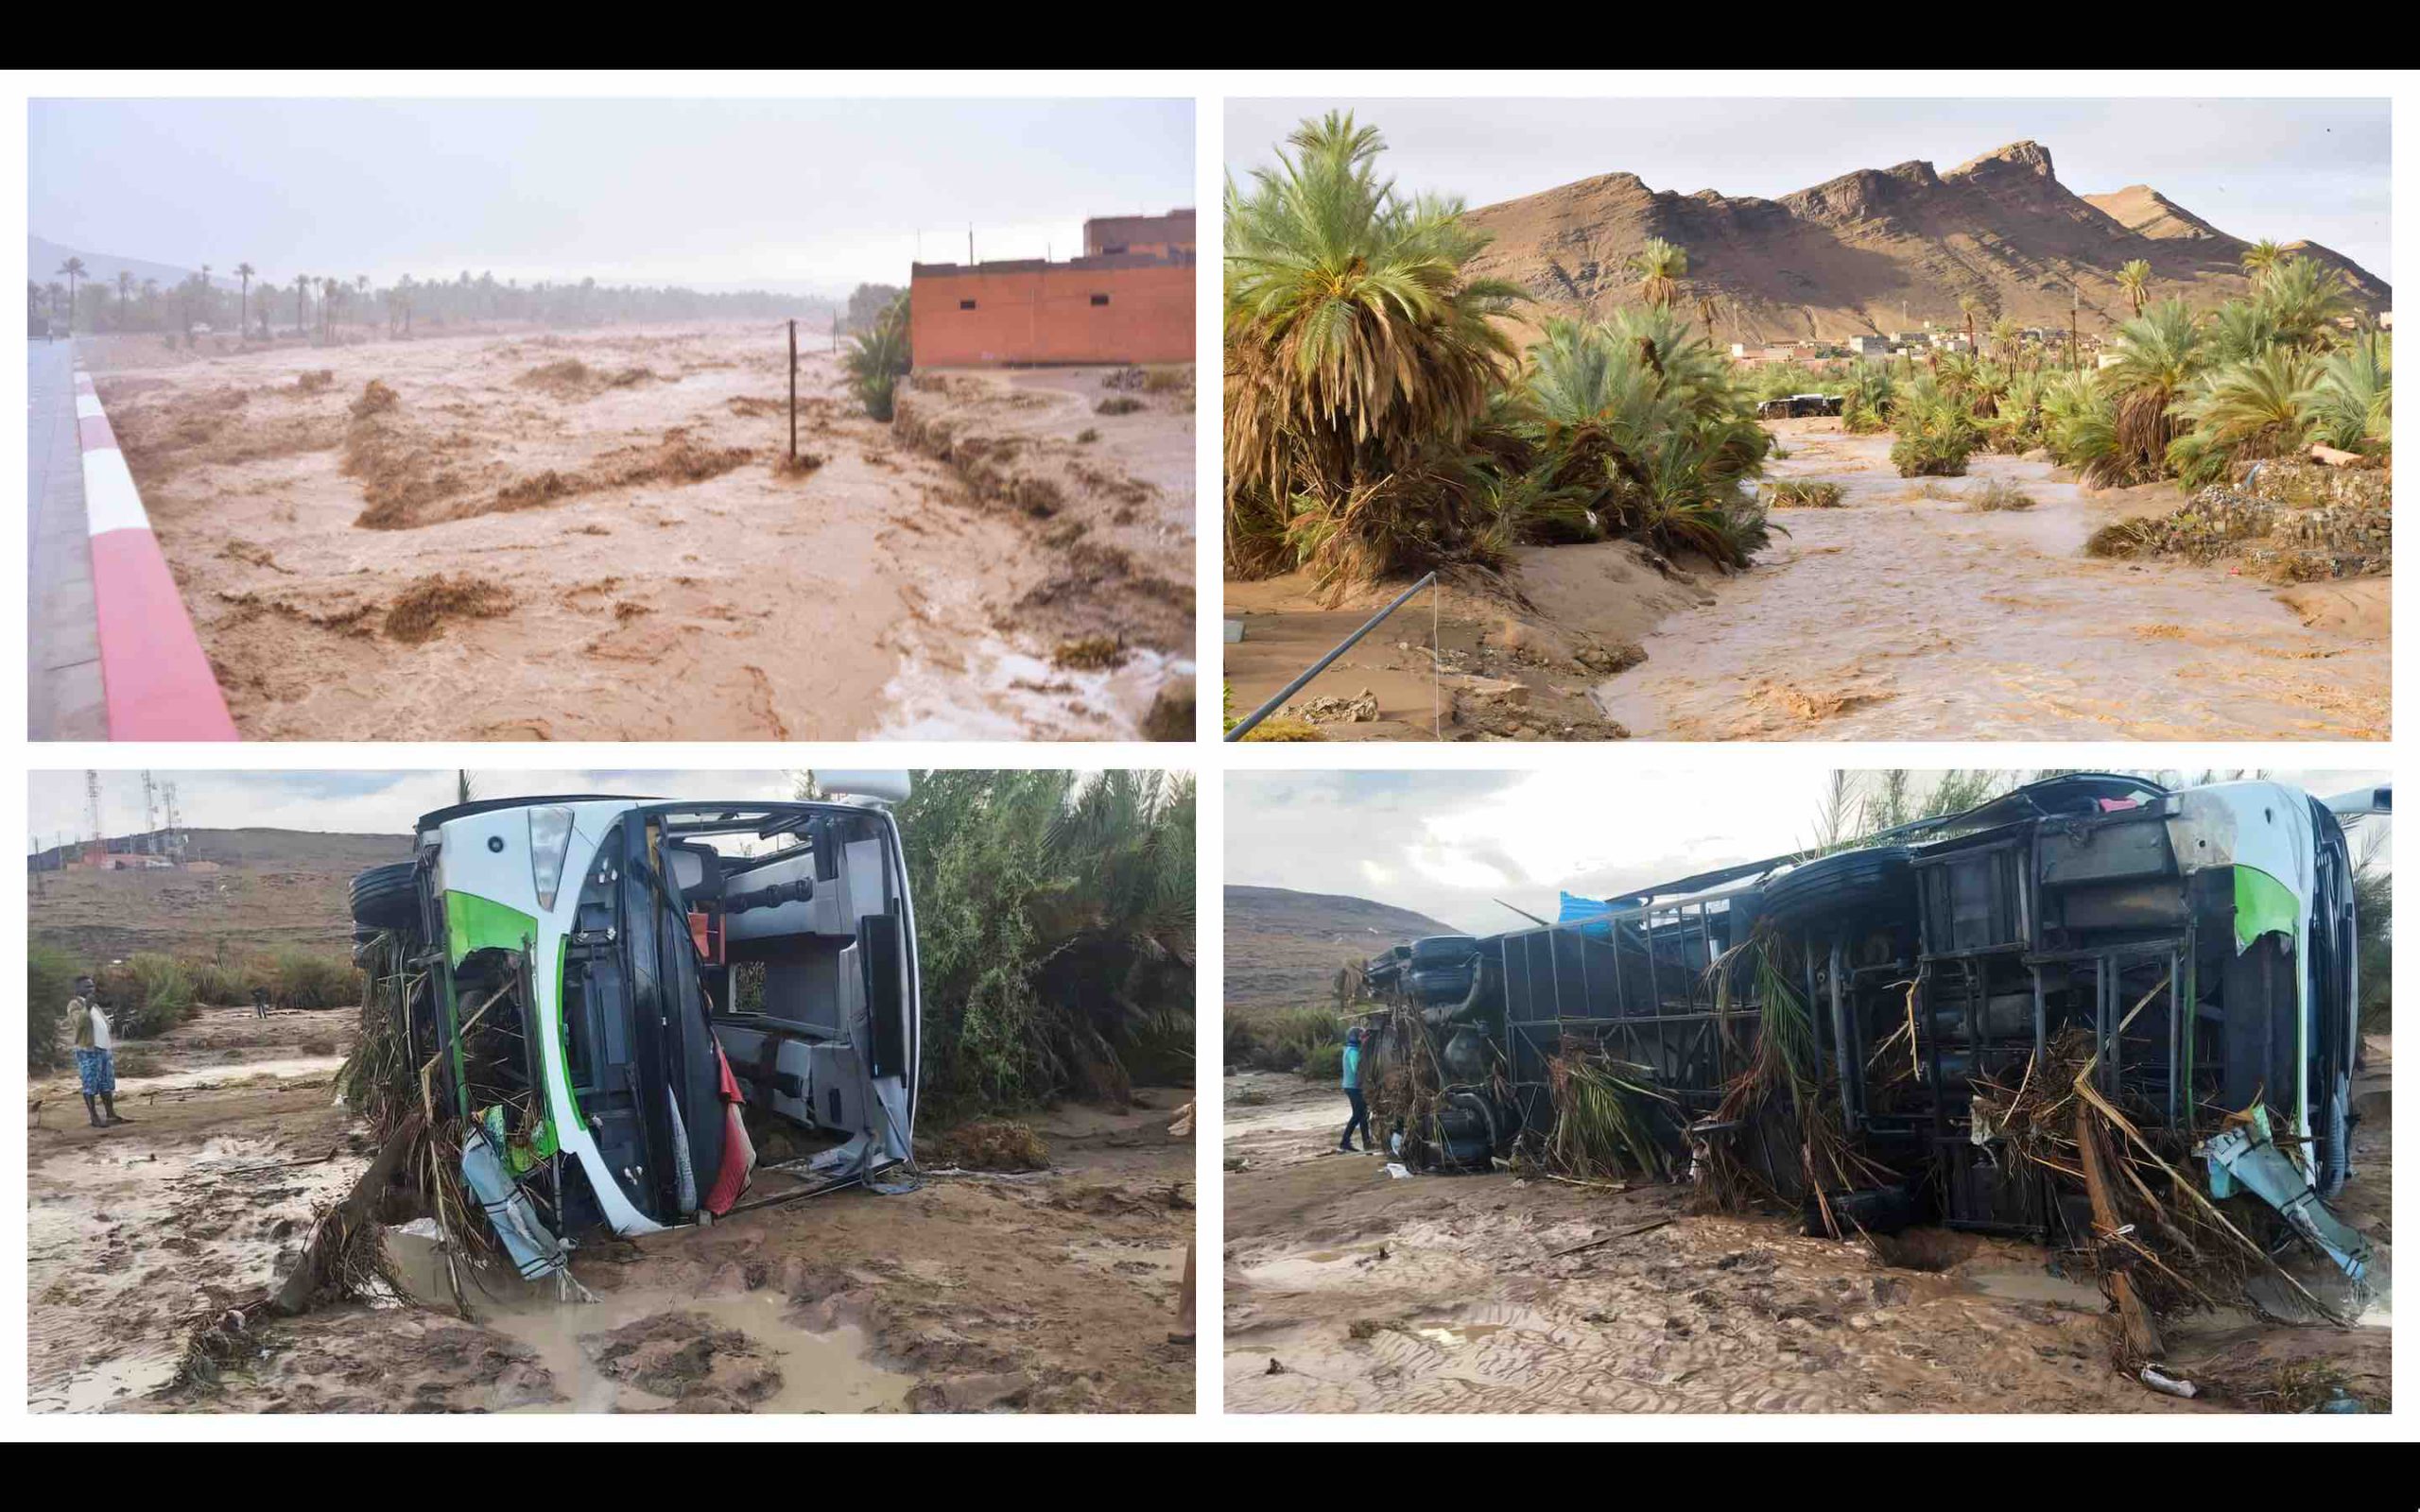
(2154, 359)
(1659, 265)
(2260, 257)
(2134, 280)
(74, 268)
(124, 286)
(1356, 347)
(245, 272)
(1969, 306)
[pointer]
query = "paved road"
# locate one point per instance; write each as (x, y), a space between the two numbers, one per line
(62, 647)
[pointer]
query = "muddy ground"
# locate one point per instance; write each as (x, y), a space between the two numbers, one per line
(1348, 1290)
(1049, 1292)
(1902, 614)
(597, 536)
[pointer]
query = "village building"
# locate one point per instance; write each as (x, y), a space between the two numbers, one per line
(1128, 299)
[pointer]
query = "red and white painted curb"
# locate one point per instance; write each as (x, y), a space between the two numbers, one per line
(155, 681)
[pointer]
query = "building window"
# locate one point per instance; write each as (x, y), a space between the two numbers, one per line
(1101, 298)
(1113, 252)
(966, 304)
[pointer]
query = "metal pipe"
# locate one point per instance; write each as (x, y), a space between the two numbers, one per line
(1244, 725)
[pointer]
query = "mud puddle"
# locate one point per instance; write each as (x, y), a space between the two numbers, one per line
(1905, 615)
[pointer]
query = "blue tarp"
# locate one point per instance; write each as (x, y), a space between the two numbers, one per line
(1577, 909)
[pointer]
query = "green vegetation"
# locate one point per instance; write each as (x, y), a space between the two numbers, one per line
(1379, 423)
(1055, 934)
(50, 980)
(1309, 1041)
(1935, 429)
(2190, 396)
(878, 359)
(148, 994)
(1358, 357)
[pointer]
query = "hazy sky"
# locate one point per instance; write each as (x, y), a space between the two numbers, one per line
(345, 802)
(796, 195)
(1444, 844)
(2288, 169)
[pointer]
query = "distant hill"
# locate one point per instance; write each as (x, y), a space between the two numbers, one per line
(1877, 250)
(1282, 947)
(252, 890)
(43, 258)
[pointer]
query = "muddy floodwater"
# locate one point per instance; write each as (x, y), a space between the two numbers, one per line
(598, 535)
(1905, 615)
(1351, 1290)
(1051, 1291)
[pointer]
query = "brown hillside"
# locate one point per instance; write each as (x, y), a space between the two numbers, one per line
(1283, 947)
(255, 889)
(1876, 251)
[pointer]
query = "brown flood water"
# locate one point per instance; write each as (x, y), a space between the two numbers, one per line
(1899, 617)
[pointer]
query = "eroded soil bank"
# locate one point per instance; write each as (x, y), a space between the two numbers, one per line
(1054, 1290)
(1902, 614)
(597, 536)
(1348, 1290)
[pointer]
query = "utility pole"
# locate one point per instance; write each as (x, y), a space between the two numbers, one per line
(970, 244)
(793, 394)
(92, 815)
(151, 806)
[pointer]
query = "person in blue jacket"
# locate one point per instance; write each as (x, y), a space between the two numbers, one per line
(1352, 1092)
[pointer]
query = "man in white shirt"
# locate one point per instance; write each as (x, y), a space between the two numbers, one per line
(94, 1066)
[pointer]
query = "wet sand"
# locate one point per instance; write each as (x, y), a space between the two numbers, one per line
(591, 536)
(1900, 616)
(1052, 1292)
(1350, 1291)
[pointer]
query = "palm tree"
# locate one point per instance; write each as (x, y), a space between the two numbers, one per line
(301, 304)
(2260, 257)
(1969, 306)
(2003, 334)
(205, 291)
(1706, 313)
(2251, 409)
(1659, 266)
(124, 286)
(2154, 357)
(74, 268)
(2351, 406)
(244, 299)
(1355, 346)
(2134, 279)
(880, 358)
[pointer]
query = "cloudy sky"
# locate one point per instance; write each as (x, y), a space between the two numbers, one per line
(802, 196)
(1447, 844)
(345, 802)
(2286, 169)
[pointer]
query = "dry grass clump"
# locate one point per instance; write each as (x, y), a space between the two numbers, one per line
(1117, 404)
(311, 382)
(1800, 493)
(421, 615)
(2120, 538)
(786, 466)
(1995, 496)
(1090, 653)
(992, 1145)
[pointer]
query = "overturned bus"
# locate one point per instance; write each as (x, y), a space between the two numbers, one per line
(2200, 942)
(610, 997)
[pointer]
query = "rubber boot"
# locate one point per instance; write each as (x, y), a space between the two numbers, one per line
(92, 1111)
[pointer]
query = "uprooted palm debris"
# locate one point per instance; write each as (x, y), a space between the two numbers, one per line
(992, 1145)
